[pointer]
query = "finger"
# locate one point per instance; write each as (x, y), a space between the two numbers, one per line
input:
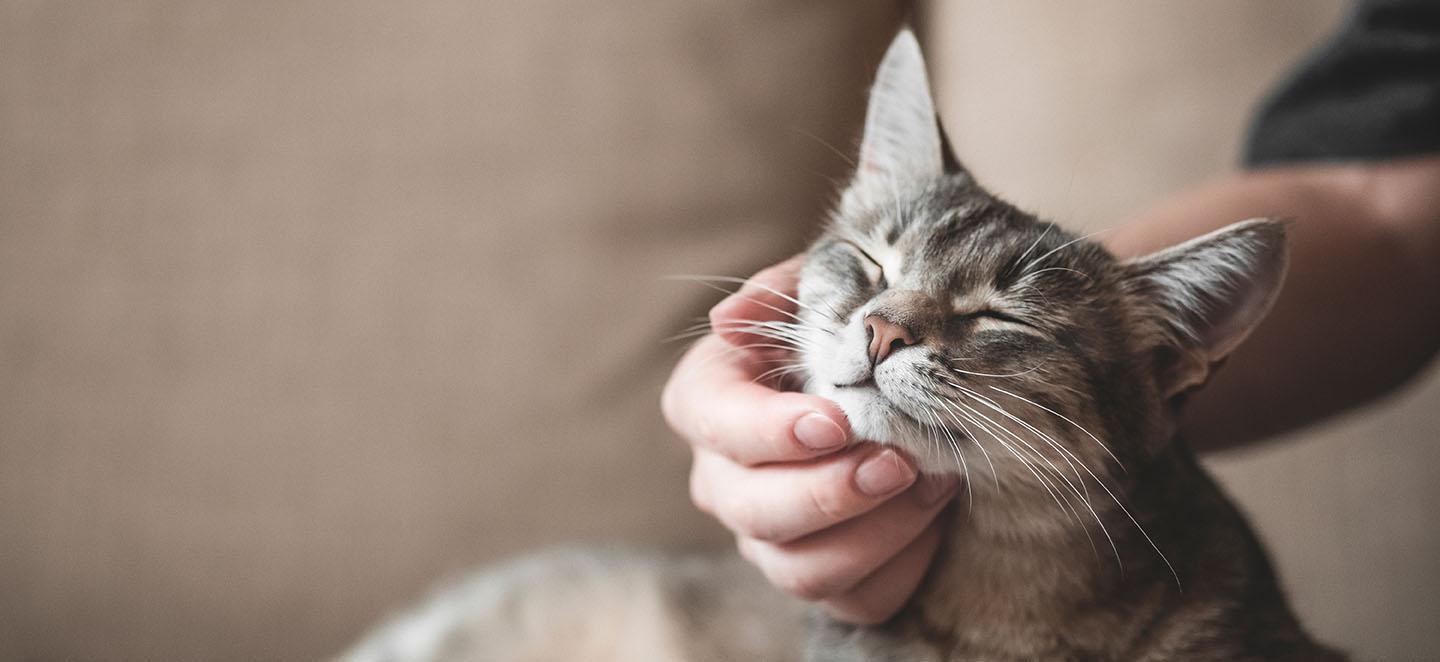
(766, 296)
(780, 503)
(877, 597)
(832, 562)
(713, 402)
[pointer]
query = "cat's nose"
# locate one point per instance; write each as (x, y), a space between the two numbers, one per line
(886, 337)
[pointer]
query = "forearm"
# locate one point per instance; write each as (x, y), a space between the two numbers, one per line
(1359, 314)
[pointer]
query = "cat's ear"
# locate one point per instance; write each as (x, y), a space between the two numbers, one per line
(1203, 297)
(903, 141)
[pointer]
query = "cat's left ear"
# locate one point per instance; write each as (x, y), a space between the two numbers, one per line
(903, 141)
(1202, 298)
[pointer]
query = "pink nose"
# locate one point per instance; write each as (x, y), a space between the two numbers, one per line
(886, 337)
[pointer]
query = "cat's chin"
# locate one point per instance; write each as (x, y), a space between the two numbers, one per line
(874, 418)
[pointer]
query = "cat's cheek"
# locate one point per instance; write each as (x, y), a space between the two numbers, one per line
(869, 415)
(835, 358)
(873, 418)
(898, 380)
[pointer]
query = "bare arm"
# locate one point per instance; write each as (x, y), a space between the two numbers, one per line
(1360, 312)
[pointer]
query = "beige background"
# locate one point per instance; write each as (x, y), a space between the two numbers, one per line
(304, 305)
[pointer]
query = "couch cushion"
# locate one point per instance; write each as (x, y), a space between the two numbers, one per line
(304, 305)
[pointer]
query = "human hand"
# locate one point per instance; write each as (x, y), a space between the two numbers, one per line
(850, 526)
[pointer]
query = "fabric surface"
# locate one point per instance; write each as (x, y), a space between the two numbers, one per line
(305, 306)
(1370, 92)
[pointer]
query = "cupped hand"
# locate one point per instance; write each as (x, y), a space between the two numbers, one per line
(848, 525)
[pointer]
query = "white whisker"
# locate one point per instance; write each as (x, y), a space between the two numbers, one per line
(994, 475)
(1065, 455)
(1132, 519)
(1037, 272)
(1048, 228)
(717, 288)
(1024, 270)
(743, 282)
(959, 456)
(986, 374)
(1067, 420)
(843, 156)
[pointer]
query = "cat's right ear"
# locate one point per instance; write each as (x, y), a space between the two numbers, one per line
(1199, 300)
(903, 141)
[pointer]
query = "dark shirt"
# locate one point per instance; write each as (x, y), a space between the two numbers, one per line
(1371, 92)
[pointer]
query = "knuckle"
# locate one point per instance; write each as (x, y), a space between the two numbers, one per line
(800, 584)
(775, 438)
(716, 315)
(779, 271)
(751, 521)
(703, 432)
(829, 501)
(669, 405)
(677, 397)
(746, 547)
(857, 612)
(762, 279)
(783, 572)
(699, 493)
(695, 428)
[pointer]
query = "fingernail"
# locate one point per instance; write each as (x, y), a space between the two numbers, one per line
(818, 432)
(934, 488)
(884, 473)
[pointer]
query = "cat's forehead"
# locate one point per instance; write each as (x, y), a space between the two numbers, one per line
(961, 241)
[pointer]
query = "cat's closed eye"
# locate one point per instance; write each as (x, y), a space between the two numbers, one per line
(871, 266)
(989, 313)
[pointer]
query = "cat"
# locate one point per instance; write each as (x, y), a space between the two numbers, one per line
(983, 340)
(986, 342)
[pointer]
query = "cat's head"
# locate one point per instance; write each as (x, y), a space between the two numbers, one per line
(971, 333)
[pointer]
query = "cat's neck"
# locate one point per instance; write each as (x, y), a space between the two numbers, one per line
(1005, 561)
(1022, 560)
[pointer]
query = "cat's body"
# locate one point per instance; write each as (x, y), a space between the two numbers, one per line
(588, 605)
(992, 596)
(984, 342)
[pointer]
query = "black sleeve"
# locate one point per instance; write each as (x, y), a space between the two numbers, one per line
(1371, 92)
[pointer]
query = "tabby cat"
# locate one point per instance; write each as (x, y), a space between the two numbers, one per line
(986, 342)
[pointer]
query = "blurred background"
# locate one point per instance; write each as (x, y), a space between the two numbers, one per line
(305, 306)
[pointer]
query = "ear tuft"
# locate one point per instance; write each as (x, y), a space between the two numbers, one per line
(1206, 295)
